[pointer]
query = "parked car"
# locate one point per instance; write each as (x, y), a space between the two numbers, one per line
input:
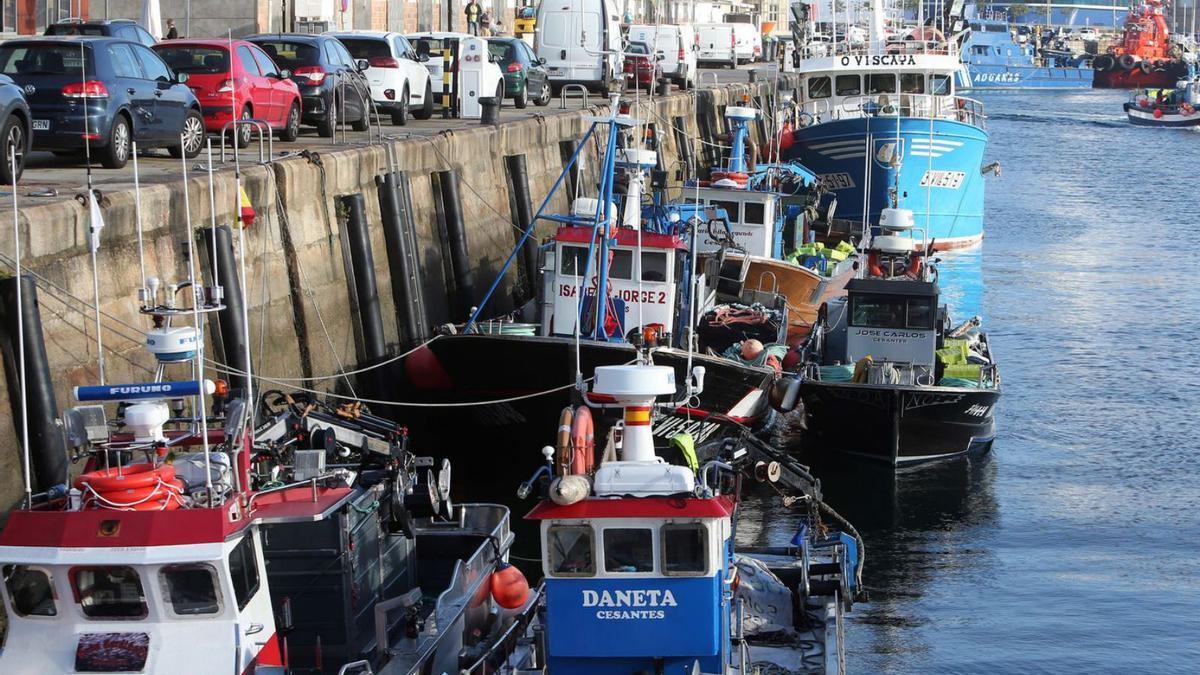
(125, 29)
(678, 44)
(252, 83)
(1089, 34)
(14, 130)
(430, 45)
(333, 88)
(525, 78)
(642, 65)
(749, 42)
(398, 78)
(718, 44)
(128, 93)
(580, 40)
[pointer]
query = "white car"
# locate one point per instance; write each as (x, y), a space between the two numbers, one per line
(677, 44)
(400, 83)
(1089, 34)
(430, 44)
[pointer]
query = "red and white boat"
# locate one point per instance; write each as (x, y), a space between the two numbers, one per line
(1146, 55)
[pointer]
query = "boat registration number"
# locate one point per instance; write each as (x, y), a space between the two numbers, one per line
(836, 181)
(41, 125)
(943, 179)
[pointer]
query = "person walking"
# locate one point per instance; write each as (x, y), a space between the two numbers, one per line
(485, 24)
(473, 12)
(172, 34)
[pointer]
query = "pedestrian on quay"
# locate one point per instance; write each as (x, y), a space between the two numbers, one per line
(485, 24)
(473, 12)
(172, 34)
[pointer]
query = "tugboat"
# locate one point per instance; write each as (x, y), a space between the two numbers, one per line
(886, 376)
(205, 535)
(869, 116)
(642, 572)
(993, 59)
(1147, 55)
(1166, 107)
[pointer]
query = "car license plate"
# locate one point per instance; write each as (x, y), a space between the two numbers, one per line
(557, 71)
(41, 125)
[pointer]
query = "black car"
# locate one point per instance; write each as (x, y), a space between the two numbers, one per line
(14, 130)
(125, 29)
(525, 76)
(333, 88)
(129, 94)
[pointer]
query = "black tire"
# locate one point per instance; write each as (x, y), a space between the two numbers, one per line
(543, 100)
(1103, 62)
(15, 142)
(426, 110)
(500, 94)
(522, 100)
(291, 128)
(193, 137)
(116, 154)
(243, 133)
(328, 126)
(364, 122)
(400, 115)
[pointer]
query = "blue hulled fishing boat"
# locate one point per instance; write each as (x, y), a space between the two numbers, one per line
(879, 122)
(993, 59)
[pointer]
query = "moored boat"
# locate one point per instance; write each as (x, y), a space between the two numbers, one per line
(994, 60)
(1148, 55)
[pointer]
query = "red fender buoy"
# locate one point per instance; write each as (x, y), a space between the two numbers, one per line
(510, 590)
(583, 442)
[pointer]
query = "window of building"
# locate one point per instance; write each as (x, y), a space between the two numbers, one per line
(191, 590)
(570, 551)
(684, 549)
(848, 85)
(912, 83)
(654, 266)
(29, 590)
(628, 550)
(881, 83)
(818, 87)
(109, 592)
(243, 569)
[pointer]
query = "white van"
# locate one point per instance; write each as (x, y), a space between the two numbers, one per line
(718, 44)
(580, 41)
(678, 46)
(749, 42)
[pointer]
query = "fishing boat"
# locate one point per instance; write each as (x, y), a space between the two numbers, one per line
(654, 291)
(1148, 55)
(994, 60)
(212, 530)
(884, 115)
(886, 376)
(1170, 108)
(641, 569)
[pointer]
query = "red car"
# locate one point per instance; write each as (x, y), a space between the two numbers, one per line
(642, 66)
(258, 87)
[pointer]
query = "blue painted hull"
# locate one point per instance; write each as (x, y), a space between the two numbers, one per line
(939, 172)
(1001, 77)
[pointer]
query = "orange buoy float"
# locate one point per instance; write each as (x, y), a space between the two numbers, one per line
(583, 442)
(135, 487)
(562, 444)
(509, 587)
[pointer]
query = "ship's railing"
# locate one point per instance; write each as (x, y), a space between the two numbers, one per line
(926, 106)
(816, 50)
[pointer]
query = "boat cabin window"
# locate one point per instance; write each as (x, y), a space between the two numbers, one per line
(848, 85)
(629, 550)
(570, 551)
(912, 83)
(818, 87)
(684, 549)
(891, 311)
(191, 589)
(732, 209)
(654, 266)
(243, 569)
(29, 590)
(753, 213)
(881, 83)
(939, 85)
(109, 592)
(621, 266)
(574, 260)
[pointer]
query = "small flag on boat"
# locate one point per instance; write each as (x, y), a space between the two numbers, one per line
(247, 211)
(97, 219)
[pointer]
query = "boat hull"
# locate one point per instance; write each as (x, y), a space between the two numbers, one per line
(898, 425)
(1145, 117)
(1000, 77)
(460, 369)
(939, 176)
(1134, 79)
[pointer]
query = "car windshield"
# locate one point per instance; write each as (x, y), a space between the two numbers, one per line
(291, 55)
(502, 50)
(367, 49)
(637, 48)
(16, 59)
(74, 29)
(427, 46)
(195, 60)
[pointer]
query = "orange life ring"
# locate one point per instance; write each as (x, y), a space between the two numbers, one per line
(139, 499)
(131, 476)
(583, 442)
(562, 445)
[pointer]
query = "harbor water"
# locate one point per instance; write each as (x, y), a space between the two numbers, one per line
(1074, 547)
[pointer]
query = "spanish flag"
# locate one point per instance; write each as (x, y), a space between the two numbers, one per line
(247, 211)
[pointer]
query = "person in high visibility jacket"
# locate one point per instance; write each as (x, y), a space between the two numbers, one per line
(473, 12)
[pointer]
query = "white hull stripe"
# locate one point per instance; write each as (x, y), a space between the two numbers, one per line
(833, 144)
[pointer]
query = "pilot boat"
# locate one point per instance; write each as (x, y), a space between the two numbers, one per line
(886, 376)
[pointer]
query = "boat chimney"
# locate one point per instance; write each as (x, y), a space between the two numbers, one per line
(739, 118)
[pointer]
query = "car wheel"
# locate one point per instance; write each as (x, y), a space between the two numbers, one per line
(522, 99)
(363, 122)
(192, 137)
(400, 116)
(500, 94)
(328, 126)
(15, 144)
(544, 98)
(426, 110)
(116, 154)
(243, 133)
(291, 131)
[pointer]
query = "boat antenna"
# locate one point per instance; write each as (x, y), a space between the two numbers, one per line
(95, 222)
(198, 366)
(12, 163)
(137, 212)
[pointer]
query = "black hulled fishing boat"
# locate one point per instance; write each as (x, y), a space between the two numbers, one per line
(886, 376)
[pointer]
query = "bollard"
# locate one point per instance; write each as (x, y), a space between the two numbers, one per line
(664, 87)
(229, 332)
(491, 110)
(753, 75)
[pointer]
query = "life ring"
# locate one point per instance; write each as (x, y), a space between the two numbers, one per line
(135, 487)
(131, 476)
(736, 176)
(562, 445)
(583, 442)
